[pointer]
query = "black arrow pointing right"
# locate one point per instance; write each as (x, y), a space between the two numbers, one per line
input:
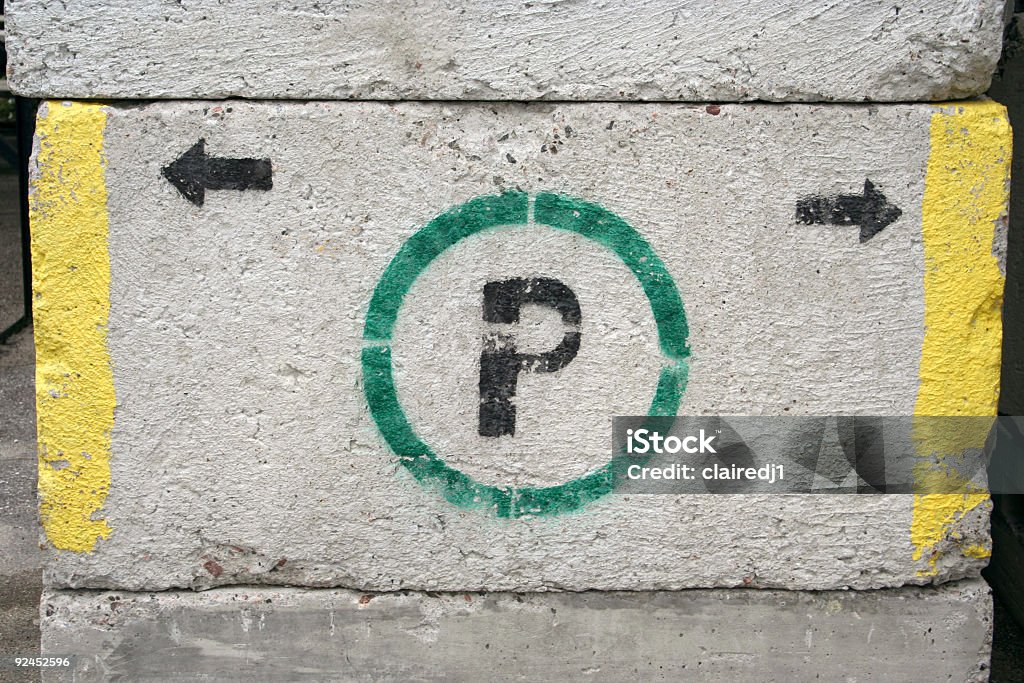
(870, 210)
(194, 172)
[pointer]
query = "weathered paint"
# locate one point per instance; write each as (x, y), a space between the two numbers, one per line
(965, 199)
(71, 285)
(979, 551)
(869, 210)
(195, 172)
(501, 362)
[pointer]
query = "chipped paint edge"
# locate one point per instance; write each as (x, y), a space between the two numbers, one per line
(71, 304)
(965, 200)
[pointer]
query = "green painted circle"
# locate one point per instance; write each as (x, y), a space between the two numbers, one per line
(481, 213)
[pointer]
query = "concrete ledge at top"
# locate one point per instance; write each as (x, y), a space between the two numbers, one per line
(655, 50)
(252, 634)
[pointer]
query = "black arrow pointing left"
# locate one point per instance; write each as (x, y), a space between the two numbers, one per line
(195, 172)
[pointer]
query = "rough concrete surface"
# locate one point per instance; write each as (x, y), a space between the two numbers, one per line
(910, 634)
(242, 447)
(481, 50)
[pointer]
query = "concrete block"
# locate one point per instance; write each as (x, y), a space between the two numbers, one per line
(587, 50)
(252, 634)
(224, 290)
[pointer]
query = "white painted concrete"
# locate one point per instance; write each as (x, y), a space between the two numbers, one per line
(243, 450)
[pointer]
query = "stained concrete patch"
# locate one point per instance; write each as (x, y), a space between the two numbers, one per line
(591, 50)
(250, 634)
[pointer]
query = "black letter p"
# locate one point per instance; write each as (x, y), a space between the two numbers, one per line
(500, 363)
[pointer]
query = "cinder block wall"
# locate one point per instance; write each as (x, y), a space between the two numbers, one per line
(260, 305)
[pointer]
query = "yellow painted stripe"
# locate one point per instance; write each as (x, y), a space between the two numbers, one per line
(71, 287)
(966, 192)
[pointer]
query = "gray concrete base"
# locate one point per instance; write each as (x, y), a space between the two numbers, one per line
(258, 634)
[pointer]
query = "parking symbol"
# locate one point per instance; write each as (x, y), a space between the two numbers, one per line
(501, 361)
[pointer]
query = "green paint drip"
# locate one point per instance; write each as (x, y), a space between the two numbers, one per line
(418, 252)
(601, 225)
